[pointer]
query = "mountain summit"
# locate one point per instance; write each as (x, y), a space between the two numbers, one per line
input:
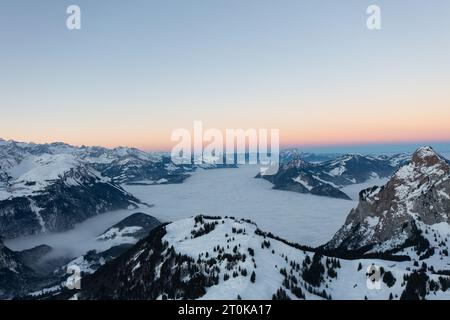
(411, 210)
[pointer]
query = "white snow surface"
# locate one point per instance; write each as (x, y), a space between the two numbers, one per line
(303, 182)
(350, 283)
(34, 173)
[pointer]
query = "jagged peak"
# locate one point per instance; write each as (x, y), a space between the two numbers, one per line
(425, 161)
(426, 155)
(296, 162)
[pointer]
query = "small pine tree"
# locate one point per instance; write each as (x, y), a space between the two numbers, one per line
(253, 277)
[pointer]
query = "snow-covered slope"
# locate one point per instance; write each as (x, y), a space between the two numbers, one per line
(226, 258)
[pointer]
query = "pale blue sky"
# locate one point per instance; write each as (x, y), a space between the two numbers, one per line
(139, 69)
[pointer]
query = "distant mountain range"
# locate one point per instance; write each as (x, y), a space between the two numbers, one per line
(326, 178)
(120, 164)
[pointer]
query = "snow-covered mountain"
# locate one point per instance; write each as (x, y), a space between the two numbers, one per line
(328, 177)
(121, 164)
(356, 168)
(226, 258)
(53, 192)
(287, 155)
(301, 176)
(409, 215)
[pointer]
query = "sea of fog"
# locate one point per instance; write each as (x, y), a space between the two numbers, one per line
(76, 241)
(305, 219)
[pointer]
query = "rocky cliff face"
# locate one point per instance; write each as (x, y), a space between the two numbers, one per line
(413, 205)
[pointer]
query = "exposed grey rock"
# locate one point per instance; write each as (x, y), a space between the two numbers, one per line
(400, 212)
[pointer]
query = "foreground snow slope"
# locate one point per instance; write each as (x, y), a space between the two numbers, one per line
(227, 258)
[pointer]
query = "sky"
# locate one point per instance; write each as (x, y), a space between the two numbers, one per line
(139, 69)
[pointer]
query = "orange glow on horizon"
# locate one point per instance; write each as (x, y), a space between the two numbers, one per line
(286, 141)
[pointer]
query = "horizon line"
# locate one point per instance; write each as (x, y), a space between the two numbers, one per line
(282, 146)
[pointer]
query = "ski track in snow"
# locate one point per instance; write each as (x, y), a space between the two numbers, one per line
(301, 218)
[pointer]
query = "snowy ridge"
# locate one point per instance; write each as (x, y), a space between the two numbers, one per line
(121, 164)
(226, 258)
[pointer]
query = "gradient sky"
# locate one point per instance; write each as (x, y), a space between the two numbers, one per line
(139, 69)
